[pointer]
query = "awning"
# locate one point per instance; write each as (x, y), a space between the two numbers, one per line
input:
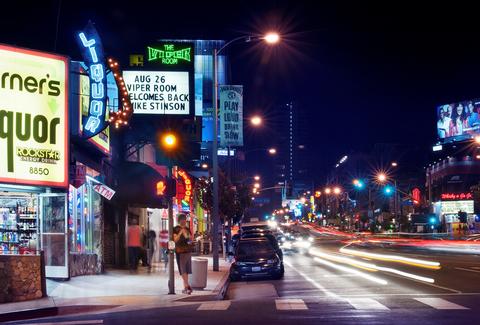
(137, 185)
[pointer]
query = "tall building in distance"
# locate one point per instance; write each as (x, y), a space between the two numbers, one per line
(293, 167)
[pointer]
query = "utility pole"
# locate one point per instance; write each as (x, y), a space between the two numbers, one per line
(215, 214)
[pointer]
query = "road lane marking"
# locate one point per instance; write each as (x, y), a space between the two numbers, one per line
(366, 304)
(313, 282)
(215, 305)
(469, 270)
(439, 303)
(290, 304)
(428, 284)
(74, 322)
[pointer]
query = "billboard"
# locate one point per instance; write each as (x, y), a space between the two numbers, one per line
(231, 115)
(159, 92)
(458, 121)
(33, 117)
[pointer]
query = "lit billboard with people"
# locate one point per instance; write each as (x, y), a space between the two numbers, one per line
(458, 121)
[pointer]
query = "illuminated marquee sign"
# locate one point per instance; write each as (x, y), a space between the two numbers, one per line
(33, 117)
(168, 54)
(92, 52)
(453, 207)
(456, 196)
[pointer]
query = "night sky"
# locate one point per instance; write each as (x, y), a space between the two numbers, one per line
(363, 74)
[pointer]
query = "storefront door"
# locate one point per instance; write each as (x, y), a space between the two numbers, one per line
(53, 225)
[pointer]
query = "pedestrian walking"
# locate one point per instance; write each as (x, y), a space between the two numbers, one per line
(151, 247)
(164, 246)
(183, 250)
(134, 244)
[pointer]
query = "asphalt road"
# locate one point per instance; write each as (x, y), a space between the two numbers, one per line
(322, 288)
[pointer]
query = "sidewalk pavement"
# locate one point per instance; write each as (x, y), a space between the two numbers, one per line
(118, 289)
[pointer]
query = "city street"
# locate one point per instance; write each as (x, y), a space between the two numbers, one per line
(245, 162)
(312, 292)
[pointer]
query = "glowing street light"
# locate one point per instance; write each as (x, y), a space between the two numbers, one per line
(477, 139)
(256, 177)
(337, 190)
(168, 141)
(256, 185)
(272, 38)
(256, 120)
(204, 166)
(394, 164)
(272, 151)
(381, 177)
(328, 190)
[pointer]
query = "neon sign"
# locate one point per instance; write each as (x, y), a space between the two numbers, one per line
(188, 186)
(168, 55)
(125, 111)
(92, 52)
(456, 196)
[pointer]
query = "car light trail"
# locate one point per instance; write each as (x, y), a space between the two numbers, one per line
(367, 266)
(351, 271)
(393, 258)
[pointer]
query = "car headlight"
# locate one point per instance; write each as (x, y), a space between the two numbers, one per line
(310, 239)
(284, 239)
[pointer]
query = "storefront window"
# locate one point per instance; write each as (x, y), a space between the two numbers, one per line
(86, 209)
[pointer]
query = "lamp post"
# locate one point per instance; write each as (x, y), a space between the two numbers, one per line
(269, 38)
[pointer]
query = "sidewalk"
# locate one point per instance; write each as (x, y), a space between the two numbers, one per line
(120, 290)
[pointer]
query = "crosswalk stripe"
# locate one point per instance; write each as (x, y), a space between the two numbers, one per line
(366, 303)
(439, 303)
(290, 304)
(215, 305)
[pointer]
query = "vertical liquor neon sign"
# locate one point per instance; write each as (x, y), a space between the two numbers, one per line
(92, 52)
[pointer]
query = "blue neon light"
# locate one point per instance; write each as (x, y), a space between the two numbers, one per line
(92, 52)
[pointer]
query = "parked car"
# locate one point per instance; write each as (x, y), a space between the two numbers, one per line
(256, 257)
(267, 235)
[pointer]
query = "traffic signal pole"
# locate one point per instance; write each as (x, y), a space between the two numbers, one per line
(171, 270)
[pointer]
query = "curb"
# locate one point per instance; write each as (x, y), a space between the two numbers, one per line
(28, 314)
(50, 312)
(221, 289)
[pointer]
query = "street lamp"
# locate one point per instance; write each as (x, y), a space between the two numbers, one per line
(256, 185)
(272, 151)
(394, 164)
(328, 190)
(204, 166)
(256, 120)
(381, 177)
(271, 39)
(477, 139)
(337, 190)
(256, 177)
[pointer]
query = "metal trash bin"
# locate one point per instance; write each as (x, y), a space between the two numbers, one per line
(199, 272)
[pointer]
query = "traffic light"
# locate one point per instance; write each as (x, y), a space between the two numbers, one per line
(359, 184)
(167, 187)
(388, 190)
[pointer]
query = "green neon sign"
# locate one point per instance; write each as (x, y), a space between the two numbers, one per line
(168, 55)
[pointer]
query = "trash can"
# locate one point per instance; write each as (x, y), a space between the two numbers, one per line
(199, 272)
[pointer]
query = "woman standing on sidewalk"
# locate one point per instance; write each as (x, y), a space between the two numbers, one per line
(182, 239)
